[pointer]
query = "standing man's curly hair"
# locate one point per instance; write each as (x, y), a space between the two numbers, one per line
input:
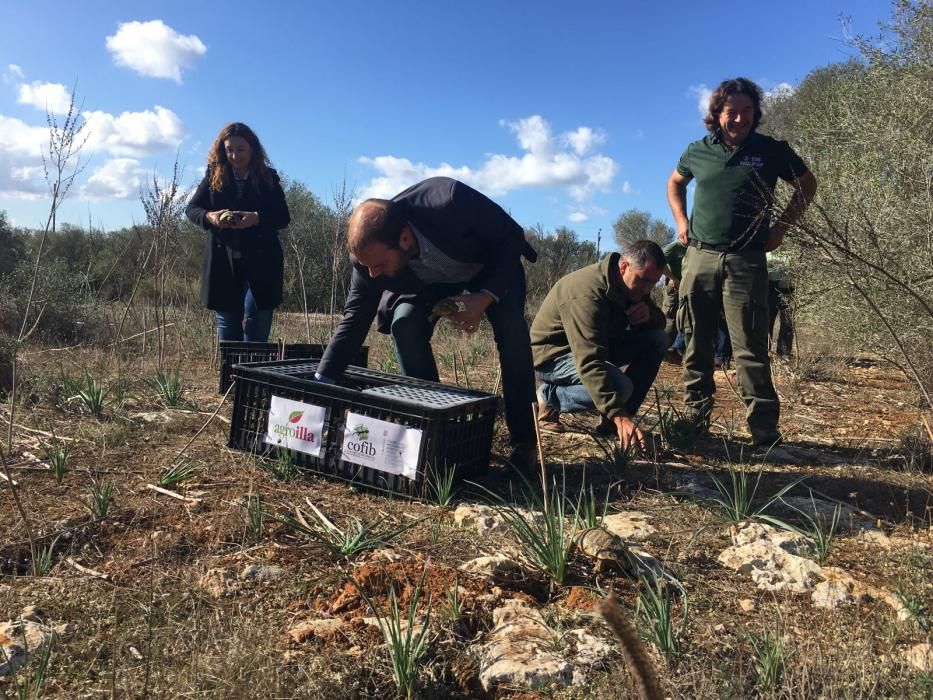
(733, 86)
(219, 168)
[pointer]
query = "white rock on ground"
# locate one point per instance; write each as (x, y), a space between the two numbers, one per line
(219, 583)
(629, 525)
(771, 558)
(920, 656)
(485, 519)
(498, 569)
(316, 628)
(261, 572)
(24, 639)
(839, 588)
(521, 651)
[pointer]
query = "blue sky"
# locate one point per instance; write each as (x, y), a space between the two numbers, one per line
(567, 114)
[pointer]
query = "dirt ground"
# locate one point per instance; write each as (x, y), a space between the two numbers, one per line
(158, 600)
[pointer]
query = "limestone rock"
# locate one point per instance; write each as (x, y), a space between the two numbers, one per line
(309, 629)
(22, 640)
(920, 656)
(481, 518)
(261, 572)
(631, 526)
(219, 583)
(522, 652)
(771, 558)
(747, 604)
(838, 588)
(152, 417)
(499, 569)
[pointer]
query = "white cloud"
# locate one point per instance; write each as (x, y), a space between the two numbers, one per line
(118, 178)
(133, 133)
(154, 49)
(702, 94)
(547, 161)
(584, 139)
(53, 97)
(20, 139)
(578, 217)
(626, 187)
(13, 73)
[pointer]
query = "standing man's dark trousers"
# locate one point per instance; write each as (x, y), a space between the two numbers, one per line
(737, 283)
(779, 298)
(411, 336)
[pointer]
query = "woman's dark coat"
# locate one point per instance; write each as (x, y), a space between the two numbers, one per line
(261, 259)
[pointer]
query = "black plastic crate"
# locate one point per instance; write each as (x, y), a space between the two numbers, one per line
(457, 424)
(234, 352)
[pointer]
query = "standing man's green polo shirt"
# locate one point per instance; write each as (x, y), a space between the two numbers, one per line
(731, 203)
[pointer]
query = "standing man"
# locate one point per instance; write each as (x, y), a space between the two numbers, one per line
(433, 241)
(728, 233)
(592, 322)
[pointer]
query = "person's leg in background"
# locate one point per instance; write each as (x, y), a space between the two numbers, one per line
(258, 321)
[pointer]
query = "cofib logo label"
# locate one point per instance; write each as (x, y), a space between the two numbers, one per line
(362, 445)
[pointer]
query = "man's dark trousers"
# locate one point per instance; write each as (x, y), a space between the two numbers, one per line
(411, 335)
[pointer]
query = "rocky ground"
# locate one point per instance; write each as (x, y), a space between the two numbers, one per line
(224, 586)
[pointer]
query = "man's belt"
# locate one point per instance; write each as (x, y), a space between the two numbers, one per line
(700, 245)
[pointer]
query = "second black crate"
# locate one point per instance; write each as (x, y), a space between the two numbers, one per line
(238, 352)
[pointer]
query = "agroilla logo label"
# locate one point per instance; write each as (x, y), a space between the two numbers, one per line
(295, 425)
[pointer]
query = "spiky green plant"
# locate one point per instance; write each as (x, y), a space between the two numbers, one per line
(736, 499)
(588, 511)
(44, 558)
(177, 473)
(255, 517)
(542, 531)
(769, 660)
(169, 388)
(654, 607)
(441, 484)
(56, 454)
(680, 431)
(406, 640)
(282, 467)
(352, 539)
(819, 533)
(101, 497)
(915, 607)
(91, 394)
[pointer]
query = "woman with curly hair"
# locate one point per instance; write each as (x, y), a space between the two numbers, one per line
(241, 205)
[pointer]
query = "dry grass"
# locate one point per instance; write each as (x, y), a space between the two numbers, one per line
(154, 629)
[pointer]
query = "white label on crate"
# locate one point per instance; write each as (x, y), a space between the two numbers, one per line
(295, 425)
(380, 445)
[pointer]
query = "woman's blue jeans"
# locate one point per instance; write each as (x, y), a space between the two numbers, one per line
(230, 324)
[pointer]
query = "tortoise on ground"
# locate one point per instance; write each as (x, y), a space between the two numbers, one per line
(609, 551)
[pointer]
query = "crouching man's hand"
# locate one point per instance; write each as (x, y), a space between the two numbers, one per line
(475, 306)
(630, 436)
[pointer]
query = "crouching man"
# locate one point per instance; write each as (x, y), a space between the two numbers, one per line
(593, 322)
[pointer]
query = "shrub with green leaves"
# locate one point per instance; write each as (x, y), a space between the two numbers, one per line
(101, 496)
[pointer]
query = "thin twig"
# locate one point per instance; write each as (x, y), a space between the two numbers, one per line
(174, 494)
(90, 572)
(206, 423)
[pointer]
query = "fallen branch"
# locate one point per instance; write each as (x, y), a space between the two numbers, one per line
(204, 427)
(87, 571)
(174, 494)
